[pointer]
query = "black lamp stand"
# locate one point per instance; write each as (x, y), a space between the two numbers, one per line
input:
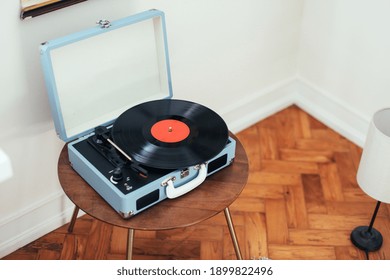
(367, 238)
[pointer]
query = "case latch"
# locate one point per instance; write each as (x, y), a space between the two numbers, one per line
(104, 23)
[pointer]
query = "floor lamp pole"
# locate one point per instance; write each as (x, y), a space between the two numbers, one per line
(374, 216)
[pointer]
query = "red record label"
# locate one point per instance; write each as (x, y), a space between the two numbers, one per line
(170, 131)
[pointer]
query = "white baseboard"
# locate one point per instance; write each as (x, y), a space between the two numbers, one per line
(248, 111)
(55, 210)
(33, 222)
(334, 113)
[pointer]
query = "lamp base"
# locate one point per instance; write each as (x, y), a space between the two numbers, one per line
(365, 240)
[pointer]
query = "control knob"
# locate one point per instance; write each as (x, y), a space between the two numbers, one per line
(117, 175)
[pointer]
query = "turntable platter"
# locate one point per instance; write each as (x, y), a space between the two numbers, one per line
(170, 133)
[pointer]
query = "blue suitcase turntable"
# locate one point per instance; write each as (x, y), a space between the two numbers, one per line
(110, 94)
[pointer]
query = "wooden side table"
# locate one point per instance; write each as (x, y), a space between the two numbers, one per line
(215, 195)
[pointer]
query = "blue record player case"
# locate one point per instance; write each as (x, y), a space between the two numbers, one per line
(95, 75)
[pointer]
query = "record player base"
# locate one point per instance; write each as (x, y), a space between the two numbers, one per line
(215, 195)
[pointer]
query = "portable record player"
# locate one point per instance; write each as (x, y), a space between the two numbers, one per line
(110, 94)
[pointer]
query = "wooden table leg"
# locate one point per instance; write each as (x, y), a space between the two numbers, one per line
(130, 241)
(233, 233)
(73, 220)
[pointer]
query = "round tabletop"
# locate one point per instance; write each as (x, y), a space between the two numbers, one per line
(216, 193)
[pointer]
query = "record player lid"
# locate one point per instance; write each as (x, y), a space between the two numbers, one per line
(94, 75)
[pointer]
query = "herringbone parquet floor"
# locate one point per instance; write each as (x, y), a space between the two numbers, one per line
(301, 202)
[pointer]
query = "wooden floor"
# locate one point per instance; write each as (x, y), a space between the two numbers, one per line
(301, 202)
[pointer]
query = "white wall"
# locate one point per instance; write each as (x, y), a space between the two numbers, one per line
(344, 52)
(245, 59)
(221, 51)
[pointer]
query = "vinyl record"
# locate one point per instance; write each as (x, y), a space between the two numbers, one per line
(170, 133)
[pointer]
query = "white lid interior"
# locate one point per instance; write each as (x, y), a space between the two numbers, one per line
(98, 78)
